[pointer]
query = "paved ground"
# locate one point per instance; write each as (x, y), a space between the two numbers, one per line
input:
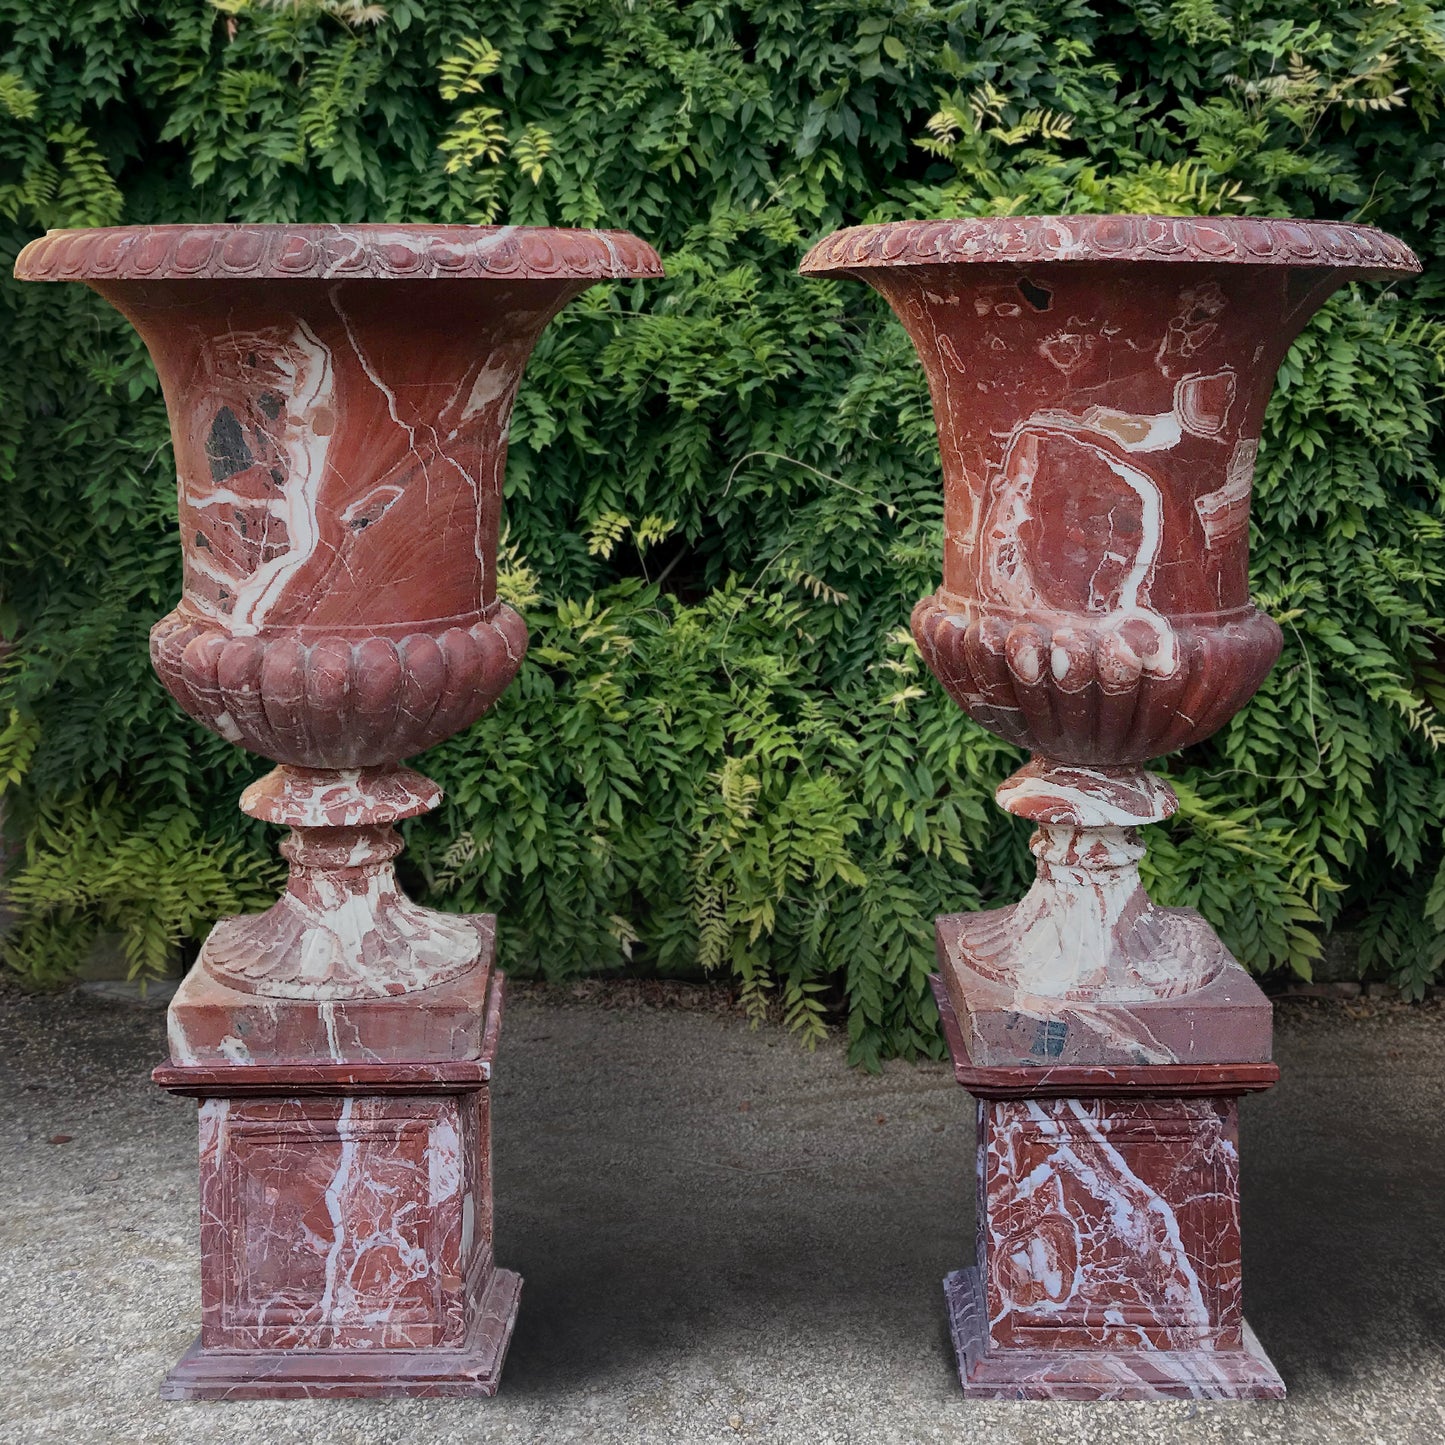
(723, 1238)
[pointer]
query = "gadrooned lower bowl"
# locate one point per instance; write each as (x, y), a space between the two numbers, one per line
(1100, 690)
(321, 701)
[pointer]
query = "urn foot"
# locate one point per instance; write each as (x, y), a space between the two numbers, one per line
(1086, 931)
(343, 929)
(1003, 1024)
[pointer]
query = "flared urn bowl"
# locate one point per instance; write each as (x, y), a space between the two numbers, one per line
(1099, 384)
(340, 445)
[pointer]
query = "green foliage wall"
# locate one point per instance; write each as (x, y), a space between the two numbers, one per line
(723, 492)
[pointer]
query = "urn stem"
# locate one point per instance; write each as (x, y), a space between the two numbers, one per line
(1087, 930)
(343, 929)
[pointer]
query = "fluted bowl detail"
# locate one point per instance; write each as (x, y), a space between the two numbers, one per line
(1091, 690)
(338, 701)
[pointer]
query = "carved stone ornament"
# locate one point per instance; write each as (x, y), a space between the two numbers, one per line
(339, 401)
(1099, 384)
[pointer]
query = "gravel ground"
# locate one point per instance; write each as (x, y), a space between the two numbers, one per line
(723, 1238)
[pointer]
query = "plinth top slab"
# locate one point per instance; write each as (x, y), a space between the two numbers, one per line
(335, 252)
(1026, 240)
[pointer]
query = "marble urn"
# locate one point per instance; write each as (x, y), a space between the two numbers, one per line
(339, 400)
(1099, 384)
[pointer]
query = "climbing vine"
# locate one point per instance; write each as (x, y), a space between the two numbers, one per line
(723, 753)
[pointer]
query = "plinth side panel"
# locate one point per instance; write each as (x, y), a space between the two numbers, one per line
(343, 1222)
(1111, 1223)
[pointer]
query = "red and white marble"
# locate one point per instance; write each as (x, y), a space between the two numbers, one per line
(340, 399)
(1099, 384)
(1111, 1222)
(346, 1221)
(1108, 1257)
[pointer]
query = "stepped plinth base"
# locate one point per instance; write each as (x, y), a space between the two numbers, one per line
(475, 1369)
(1120, 1374)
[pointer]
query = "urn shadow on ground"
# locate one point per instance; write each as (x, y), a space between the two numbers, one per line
(1344, 1204)
(681, 1219)
(660, 1221)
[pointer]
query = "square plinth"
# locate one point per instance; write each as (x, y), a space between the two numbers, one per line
(211, 1022)
(1110, 1224)
(1108, 1241)
(361, 1222)
(346, 1205)
(1228, 1020)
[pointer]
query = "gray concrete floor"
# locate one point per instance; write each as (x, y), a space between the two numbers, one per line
(723, 1237)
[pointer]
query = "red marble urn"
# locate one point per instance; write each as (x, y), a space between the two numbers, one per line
(339, 400)
(1099, 384)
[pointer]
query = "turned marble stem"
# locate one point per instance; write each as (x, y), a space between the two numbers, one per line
(343, 929)
(1087, 929)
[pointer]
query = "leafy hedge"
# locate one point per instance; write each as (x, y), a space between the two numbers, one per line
(723, 490)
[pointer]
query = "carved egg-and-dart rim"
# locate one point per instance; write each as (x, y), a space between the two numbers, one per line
(373, 251)
(1034, 240)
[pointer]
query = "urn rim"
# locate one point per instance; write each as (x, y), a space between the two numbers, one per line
(374, 251)
(1077, 239)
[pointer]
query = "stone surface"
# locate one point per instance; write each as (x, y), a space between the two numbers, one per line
(1002, 1054)
(214, 1022)
(346, 1207)
(1125, 1373)
(1227, 1020)
(1099, 384)
(1108, 1244)
(343, 929)
(340, 399)
(1086, 932)
(698, 1271)
(1110, 1223)
(349, 1222)
(288, 1374)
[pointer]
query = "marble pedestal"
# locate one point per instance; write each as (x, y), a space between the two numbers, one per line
(346, 1190)
(1108, 1244)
